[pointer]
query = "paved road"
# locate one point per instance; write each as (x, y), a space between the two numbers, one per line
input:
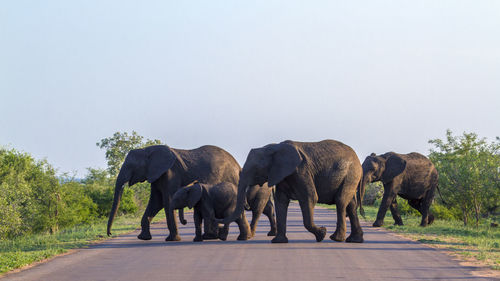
(382, 257)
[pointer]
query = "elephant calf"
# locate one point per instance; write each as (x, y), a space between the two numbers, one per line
(211, 202)
(259, 202)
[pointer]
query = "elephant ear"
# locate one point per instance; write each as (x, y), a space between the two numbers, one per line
(394, 166)
(194, 194)
(285, 159)
(160, 159)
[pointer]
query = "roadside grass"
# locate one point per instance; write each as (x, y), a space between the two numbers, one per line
(26, 250)
(480, 243)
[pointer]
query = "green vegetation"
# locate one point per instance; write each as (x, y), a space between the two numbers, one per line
(469, 174)
(42, 215)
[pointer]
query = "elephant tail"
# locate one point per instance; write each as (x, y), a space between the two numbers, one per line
(441, 196)
(359, 196)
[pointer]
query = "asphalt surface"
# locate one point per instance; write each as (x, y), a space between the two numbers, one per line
(383, 256)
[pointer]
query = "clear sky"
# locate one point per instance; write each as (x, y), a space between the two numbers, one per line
(376, 75)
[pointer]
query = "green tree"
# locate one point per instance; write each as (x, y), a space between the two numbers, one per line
(119, 145)
(469, 176)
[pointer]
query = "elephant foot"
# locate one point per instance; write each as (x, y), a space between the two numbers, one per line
(144, 235)
(173, 238)
(337, 236)
(209, 236)
(399, 223)
(355, 238)
(223, 234)
(198, 239)
(243, 237)
(430, 219)
(279, 239)
(272, 232)
(378, 224)
(320, 235)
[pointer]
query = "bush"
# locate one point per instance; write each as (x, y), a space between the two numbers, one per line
(373, 192)
(444, 213)
(33, 200)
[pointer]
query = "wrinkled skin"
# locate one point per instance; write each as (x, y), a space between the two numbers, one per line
(259, 200)
(168, 169)
(211, 202)
(311, 172)
(411, 176)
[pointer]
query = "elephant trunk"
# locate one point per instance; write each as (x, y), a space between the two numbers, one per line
(181, 216)
(240, 203)
(361, 193)
(120, 183)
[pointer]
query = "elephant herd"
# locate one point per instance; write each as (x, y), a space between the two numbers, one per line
(209, 180)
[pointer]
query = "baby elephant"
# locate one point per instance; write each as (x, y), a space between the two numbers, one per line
(211, 202)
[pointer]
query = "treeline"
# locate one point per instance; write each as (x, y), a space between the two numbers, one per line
(34, 199)
(469, 179)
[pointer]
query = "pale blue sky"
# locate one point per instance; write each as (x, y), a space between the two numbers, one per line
(376, 75)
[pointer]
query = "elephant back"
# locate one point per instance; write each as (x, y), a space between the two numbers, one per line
(210, 164)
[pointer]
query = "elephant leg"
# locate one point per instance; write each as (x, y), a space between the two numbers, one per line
(257, 209)
(210, 229)
(395, 212)
(356, 235)
(244, 227)
(307, 208)
(340, 231)
(155, 204)
(389, 195)
(281, 202)
(307, 200)
(171, 220)
(223, 232)
(269, 212)
(427, 217)
(197, 224)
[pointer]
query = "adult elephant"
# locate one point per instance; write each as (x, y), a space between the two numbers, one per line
(411, 176)
(168, 169)
(259, 201)
(311, 172)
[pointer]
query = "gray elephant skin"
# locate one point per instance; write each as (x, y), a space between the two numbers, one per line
(168, 169)
(311, 172)
(411, 176)
(211, 202)
(259, 201)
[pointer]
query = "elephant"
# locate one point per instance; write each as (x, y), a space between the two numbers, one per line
(411, 176)
(168, 169)
(311, 172)
(210, 202)
(259, 201)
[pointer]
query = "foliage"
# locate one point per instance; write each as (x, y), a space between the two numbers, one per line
(30, 195)
(373, 192)
(469, 173)
(34, 200)
(99, 187)
(119, 145)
